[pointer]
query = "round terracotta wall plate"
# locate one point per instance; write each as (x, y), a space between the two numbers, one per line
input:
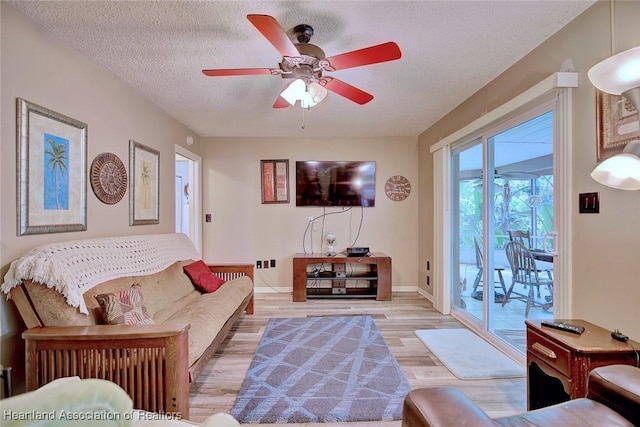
(397, 188)
(108, 178)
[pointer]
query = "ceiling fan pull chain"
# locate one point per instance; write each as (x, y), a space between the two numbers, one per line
(303, 117)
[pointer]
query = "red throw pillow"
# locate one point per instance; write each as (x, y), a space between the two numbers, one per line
(202, 278)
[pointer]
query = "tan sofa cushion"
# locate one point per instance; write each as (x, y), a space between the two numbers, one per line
(52, 308)
(159, 289)
(208, 313)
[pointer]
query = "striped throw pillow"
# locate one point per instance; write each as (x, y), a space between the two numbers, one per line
(125, 307)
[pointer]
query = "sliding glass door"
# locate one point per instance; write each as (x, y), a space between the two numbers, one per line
(467, 220)
(502, 188)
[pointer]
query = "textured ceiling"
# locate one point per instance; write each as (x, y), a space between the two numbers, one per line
(450, 49)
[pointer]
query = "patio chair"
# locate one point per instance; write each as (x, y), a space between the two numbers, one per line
(479, 265)
(524, 272)
(524, 237)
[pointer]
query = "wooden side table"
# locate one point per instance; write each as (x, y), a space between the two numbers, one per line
(559, 362)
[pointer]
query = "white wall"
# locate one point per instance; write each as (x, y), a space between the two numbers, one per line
(245, 230)
(40, 69)
(605, 266)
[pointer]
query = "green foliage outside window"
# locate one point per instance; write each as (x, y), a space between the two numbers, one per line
(517, 203)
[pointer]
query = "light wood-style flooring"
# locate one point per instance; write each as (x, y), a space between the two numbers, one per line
(216, 388)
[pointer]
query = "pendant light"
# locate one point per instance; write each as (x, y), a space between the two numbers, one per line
(619, 75)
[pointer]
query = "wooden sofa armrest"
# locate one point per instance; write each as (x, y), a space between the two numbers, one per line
(150, 362)
(233, 271)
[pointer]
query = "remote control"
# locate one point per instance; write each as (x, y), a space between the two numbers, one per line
(563, 326)
(617, 335)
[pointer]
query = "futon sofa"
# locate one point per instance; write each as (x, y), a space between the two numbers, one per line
(58, 290)
(613, 399)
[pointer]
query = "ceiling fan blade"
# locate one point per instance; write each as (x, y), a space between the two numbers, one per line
(280, 103)
(273, 32)
(236, 72)
(369, 55)
(344, 89)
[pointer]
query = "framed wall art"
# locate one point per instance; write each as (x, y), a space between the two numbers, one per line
(144, 185)
(52, 170)
(274, 175)
(617, 124)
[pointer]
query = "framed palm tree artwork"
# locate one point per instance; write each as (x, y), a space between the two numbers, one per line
(52, 170)
(144, 165)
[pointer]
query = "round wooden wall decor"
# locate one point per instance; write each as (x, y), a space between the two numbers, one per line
(397, 188)
(108, 178)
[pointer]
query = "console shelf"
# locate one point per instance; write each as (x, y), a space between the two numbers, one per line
(339, 276)
(361, 276)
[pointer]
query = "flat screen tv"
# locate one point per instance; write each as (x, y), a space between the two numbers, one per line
(335, 183)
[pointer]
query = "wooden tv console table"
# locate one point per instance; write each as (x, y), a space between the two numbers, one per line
(312, 278)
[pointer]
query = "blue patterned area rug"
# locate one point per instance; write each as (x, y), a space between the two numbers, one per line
(322, 369)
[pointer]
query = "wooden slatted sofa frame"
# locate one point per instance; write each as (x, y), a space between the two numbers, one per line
(150, 362)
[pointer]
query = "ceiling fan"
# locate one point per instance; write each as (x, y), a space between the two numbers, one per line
(304, 63)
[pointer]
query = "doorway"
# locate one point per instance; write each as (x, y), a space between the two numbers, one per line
(502, 183)
(188, 196)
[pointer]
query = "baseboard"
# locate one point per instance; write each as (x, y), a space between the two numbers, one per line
(405, 289)
(425, 294)
(289, 289)
(272, 289)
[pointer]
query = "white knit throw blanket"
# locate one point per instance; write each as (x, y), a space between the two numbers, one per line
(74, 267)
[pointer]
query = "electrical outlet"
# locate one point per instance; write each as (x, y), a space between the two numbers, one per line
(428, 281)
(428, 265)
(265, 263)
(207, 218)
(258, 264)
(273, 263)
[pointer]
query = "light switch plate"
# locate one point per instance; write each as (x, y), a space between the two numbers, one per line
(589, 203)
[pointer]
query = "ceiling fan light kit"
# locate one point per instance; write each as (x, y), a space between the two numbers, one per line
(309, 95)
(294, 91)
(305, 63)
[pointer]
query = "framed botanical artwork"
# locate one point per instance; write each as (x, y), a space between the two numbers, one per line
(52, 170)
(274, 175)
(617, 124)
(144, 187)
